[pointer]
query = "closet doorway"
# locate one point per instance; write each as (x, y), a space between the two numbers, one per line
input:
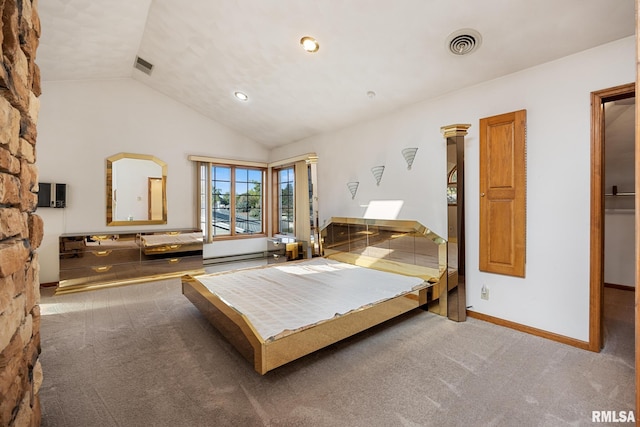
(612, 209)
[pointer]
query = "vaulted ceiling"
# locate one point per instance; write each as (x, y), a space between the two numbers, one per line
(375, 56)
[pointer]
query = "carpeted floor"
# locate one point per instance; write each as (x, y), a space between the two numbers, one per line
(142, 355)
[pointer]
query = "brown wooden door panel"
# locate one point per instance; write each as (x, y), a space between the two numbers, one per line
(498, 245)
(503, 194)
(500, 173)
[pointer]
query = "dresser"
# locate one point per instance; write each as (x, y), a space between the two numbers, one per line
(95, 260)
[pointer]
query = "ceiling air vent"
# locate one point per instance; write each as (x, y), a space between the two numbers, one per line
(142, 65)
(463, 42)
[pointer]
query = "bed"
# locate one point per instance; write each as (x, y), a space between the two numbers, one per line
(371, 271)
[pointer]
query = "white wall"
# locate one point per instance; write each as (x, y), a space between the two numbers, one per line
(82, 123)
(554, 296)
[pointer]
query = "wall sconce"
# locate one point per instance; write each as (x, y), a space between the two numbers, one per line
(409, 154)
(353, 188)
(377, 172)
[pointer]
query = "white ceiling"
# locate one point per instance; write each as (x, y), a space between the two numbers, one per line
(204, 50)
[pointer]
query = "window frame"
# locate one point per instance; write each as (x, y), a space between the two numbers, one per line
(205, 195)
(277, 200)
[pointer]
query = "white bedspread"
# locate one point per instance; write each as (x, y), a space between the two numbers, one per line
(291, 296)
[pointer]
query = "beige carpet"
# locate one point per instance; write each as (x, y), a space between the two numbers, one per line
(142, 355)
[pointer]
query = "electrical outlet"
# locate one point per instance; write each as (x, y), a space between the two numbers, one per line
(484, 292)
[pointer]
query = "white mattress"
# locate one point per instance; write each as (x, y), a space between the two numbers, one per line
(291, 296)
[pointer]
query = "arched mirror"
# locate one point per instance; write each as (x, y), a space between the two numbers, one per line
(136, 190)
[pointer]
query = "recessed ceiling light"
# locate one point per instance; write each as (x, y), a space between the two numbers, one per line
(241, 96)
(309, 44)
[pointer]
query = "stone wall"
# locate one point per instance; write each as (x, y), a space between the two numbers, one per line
(20, 229)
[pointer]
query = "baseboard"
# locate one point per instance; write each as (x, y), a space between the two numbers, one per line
(530, 330)
(621, 287)
(233, 258)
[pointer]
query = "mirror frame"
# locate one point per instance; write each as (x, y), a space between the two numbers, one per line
(109, 189)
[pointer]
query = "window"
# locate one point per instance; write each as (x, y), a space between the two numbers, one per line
(220, 200)
(248, 201)
(286, 201)
(231, 200)
(240, 199)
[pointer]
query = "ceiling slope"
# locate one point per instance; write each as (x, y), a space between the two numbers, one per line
(205, 50)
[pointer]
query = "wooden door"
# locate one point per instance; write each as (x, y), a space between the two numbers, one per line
(503, 194)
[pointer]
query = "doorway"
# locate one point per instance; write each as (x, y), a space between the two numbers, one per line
(599, 192)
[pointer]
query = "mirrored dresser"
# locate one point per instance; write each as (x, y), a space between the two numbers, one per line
(95, 260)
(284, 248)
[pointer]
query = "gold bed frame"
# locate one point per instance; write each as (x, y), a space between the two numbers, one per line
(393, 246)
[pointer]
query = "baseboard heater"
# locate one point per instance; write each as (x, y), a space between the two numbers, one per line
(232, 258)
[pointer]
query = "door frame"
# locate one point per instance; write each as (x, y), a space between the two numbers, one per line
(596, 262)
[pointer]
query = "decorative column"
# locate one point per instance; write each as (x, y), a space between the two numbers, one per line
(455, 297)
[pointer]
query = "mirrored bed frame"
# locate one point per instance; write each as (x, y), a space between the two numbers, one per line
(371, 271)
